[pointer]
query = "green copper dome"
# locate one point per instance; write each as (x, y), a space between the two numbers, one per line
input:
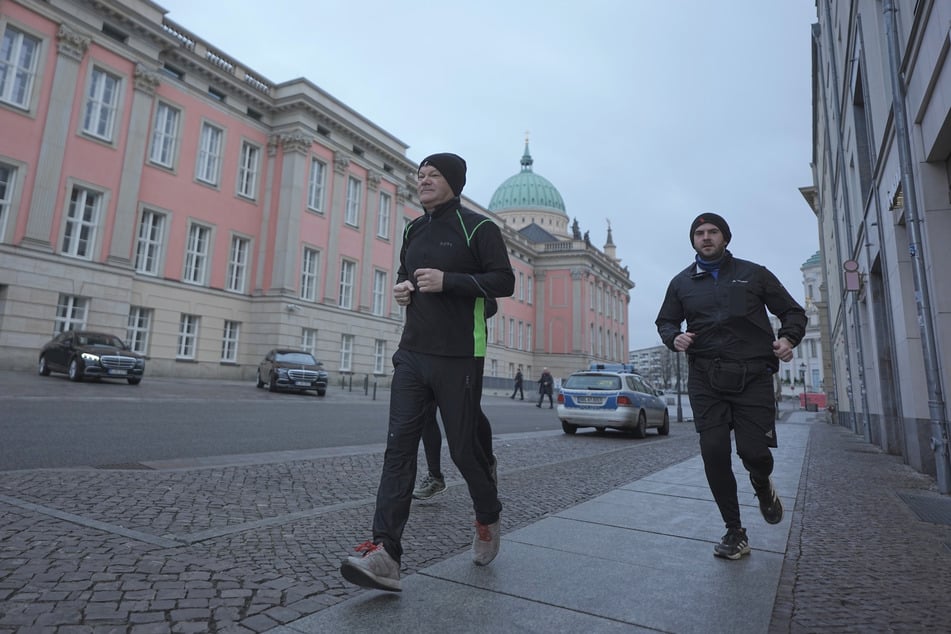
(527, 190)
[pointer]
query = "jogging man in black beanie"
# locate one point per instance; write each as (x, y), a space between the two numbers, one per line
(452, 262)
(732, 355)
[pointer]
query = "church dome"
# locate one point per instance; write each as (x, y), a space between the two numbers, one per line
(527, 191)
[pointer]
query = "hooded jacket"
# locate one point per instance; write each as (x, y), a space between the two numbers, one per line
(469, 249)
(727, 313)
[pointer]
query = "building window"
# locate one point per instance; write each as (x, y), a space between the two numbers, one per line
(315, 186)
(528, 337)
(70, 313)
(238, 264)
(229, 341)
(148, 247)
(187, 336)
(209, 154)
(521, 335)
(308, 274)
(81, 221)
(353, 202)
(383, 223)
(490, 330)
(501, 330)
(379, 292)
(531, 288)
(511, 333)
(347, 272)
(137, 330)
(165, 135)
(196, 254)
(379, 356)
(101, 103)
(308, 340)
(248, 170)
(18, 59)
(521, 286)
(7, 174)
(346, 353)
(494, 367)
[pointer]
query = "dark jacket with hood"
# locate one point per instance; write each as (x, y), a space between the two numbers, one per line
(727, 313)
(468, 247)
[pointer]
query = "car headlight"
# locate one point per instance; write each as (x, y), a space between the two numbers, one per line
(88, 356)
(140, 363)
(282, 371)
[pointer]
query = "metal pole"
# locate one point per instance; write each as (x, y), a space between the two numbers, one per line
(936, 405)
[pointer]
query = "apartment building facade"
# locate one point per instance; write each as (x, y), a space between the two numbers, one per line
(156, 188)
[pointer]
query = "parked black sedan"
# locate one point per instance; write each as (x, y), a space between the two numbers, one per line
(81, 354)
(292, 370)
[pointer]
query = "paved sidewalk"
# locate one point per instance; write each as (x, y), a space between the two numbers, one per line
(639, 558)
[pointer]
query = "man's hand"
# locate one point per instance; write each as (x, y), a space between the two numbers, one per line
(429, 280)
(783, 349)
(403, 293)
(683, 341)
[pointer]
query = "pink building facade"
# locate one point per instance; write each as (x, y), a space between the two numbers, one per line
(155, 188)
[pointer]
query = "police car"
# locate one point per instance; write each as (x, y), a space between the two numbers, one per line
(612, 396)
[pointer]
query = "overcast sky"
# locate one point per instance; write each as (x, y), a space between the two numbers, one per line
(640, 112)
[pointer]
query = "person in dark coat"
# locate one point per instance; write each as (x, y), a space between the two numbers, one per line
(546, 386)
(518, 384)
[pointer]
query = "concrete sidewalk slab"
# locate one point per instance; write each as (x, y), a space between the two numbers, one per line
(628, 560)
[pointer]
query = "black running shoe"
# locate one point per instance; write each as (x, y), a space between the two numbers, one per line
(733, 545)
(769, 503)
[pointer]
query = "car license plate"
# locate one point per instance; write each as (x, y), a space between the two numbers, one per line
(589, 400)
(119, 372)
(302, 383)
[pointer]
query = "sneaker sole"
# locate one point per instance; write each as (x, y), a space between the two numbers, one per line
(365, 579)
(734, 556)
(432, 495)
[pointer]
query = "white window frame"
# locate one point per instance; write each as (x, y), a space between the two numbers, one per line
(521, 335)
(490, 330)
(511, 343)
(309, 269)
(521, 286)
(383, 221)
(165, 135)
(528, 338)
(81, 224)
(150, 242)
(8, 177)
(238, 258)
(248, 161)
(138, 328)
(210, 144)
(71, 313)
(230, 335)
(348, 271)
(308, 340)
(102, 104)
(188, 326)
(19, 74)
(354, 194)
(379, 356)
(197, 254)
(346, 353)
(316, 183)
(531, 289)
(379, 292)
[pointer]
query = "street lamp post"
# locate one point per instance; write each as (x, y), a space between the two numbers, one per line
(802, 377)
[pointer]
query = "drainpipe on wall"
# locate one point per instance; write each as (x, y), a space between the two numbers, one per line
(936, 405)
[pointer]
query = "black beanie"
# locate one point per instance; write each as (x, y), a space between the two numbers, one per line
(452, 168)
(714, 219)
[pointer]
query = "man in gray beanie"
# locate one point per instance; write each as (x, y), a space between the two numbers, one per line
(732, 355)
(453, 264)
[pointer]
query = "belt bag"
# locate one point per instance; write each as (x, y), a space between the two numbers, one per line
(731, 377)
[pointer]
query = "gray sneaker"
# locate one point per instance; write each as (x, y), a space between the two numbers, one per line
(769, 503)
(374, 569)
(733, 545)
(430, 486)
(485, 544)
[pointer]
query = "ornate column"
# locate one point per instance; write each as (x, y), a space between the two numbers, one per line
(371, 222)
(123, 227)
(334, 214)
(578, 307)
(264, 245)
(296, 148)
(71, 48)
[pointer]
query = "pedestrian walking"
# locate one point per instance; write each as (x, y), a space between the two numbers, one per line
(451, 261)
(732, 355)
(518, 385)
(546, 385)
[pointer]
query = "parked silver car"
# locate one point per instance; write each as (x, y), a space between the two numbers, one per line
(619, 400)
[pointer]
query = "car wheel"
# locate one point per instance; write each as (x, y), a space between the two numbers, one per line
(641, 430)
(321, 392)
(272, 383)
(75, 370)
(664, 429)
(134, 380)
(258, 381)
(569, 429)
(43, 369)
